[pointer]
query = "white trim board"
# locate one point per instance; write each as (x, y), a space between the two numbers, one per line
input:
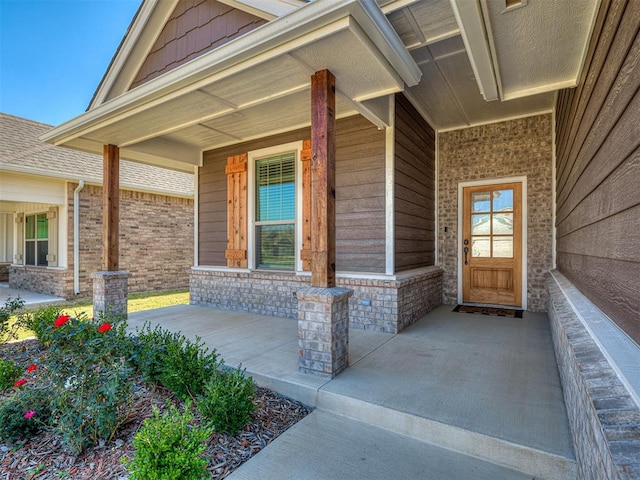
(494, 181)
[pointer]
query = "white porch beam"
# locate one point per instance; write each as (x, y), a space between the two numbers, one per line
(468, 14)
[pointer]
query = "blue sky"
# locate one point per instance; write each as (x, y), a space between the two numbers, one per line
(53, 54)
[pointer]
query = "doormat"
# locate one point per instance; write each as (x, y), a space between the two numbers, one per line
(496, 312)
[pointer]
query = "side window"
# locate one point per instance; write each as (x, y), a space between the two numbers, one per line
(36, 238)
(275, 212)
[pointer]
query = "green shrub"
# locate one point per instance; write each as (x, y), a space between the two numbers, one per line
(40, 321)
(9, 373)
(89, 378)
(173, 360)
(167, 447)
(227, 401)
(11, 305)
(14, 425)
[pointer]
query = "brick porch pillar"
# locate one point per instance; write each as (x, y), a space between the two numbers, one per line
(323, 330)
(110, 292)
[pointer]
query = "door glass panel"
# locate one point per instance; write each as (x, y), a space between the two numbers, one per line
(481, 247)
(502, 223)
(503, 247)
(480, 202)
(503, 200)
(480, 224)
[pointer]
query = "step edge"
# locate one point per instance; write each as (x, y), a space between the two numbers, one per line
(523, 459)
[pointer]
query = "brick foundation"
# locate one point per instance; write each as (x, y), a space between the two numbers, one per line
(110, 292)
(323, 330)
(379, 304)
(603, 416)
(49, 281)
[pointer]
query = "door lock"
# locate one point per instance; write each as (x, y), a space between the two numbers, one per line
(466, 252)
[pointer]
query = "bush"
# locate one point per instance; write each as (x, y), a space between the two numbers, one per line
(173, 360)
(23, 415)
(11, 305)
(167, 447)
(40, 321)
(227, 401)
(9, 373)
(90, 391)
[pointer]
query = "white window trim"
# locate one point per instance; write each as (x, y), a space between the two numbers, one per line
(252, 156)
(36, 240)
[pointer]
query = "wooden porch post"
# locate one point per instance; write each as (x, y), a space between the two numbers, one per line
(110, 286)
(111, 208)
(323, 179)
(323, 308)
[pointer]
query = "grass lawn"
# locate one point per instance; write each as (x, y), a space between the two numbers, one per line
(137, 302)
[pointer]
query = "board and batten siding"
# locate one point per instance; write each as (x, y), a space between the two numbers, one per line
(194, 28)
(360, 200)
(414, 188)
(598, 169)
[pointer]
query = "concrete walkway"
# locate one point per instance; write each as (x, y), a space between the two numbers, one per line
(454, 396)
(30, 298)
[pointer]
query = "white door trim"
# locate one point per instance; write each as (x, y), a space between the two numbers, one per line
(494, 181)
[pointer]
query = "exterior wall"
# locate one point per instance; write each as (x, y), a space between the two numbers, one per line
(384, 305)
(598, 159)
(602, 414)
(50, 281)
(511, 148)
(195, 27)
(156, 244)
(414, 192)
(156, 238)
(360, 196)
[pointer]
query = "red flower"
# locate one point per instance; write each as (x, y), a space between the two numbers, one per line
(31, 368)
(105, 327)
(29, 414)
(19, 383)
(61, 320)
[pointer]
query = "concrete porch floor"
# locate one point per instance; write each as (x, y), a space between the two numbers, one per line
(30, 298)
(483, 391)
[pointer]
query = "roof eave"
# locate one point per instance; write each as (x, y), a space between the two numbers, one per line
(249, 49)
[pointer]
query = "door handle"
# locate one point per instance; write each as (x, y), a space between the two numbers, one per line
(466, 252)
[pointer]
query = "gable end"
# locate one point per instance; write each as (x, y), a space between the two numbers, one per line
(194, 28)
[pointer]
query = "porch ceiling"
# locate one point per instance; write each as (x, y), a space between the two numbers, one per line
(255, 86)
(460, 62)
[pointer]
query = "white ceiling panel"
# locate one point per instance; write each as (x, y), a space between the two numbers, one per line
(539, 46)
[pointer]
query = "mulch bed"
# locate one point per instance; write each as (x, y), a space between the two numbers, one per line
(43, 457)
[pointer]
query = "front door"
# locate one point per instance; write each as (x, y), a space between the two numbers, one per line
(492, 244)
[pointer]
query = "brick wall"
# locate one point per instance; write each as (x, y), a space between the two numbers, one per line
(603, 417)
(156, 238)
(50, 281)
(521, 147)
(156, 244)
(377, 304)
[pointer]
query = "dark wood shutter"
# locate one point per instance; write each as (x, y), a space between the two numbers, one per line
(305, 252)
(236, 252)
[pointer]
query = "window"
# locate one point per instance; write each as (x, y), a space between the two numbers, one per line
(275, 212)
(36, 239)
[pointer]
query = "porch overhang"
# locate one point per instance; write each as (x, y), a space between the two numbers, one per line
(254, 86)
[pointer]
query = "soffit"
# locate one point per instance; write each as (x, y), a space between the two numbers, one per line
(263, 87)
(255, 85)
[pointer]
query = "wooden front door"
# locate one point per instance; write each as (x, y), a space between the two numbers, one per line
(492, 244)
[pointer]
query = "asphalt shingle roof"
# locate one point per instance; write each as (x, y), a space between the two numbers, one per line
(21, 149)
